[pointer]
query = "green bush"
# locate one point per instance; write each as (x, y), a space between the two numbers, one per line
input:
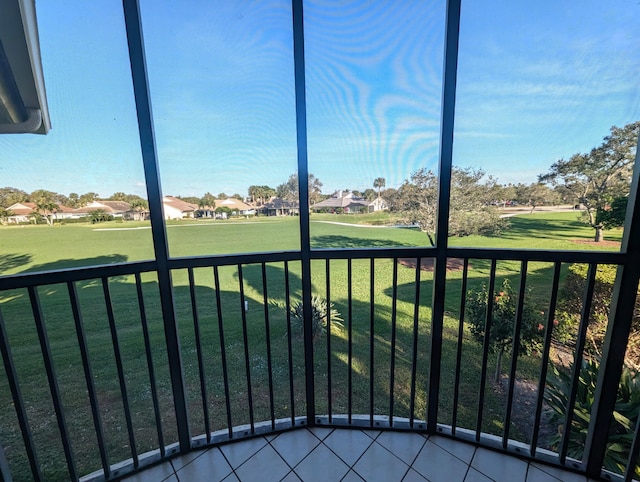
(626, 411)
(320, 313)
(503, 321)
(569, 310)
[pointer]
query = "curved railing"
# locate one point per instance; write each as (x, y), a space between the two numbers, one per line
(95, 387)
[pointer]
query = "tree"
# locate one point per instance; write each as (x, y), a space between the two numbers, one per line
(503, 318)
(46, 204)
(470, 213)
(289, 190)
(11, 195)
(190, 199)
(369, 194)
(417, 200)
(379, 183)
(99, 216)
(73, 201)
(535, 194)
(595, 178)
(4, 214)
(118, 196)
(613, 215)
(260, 194)
(208, 200)
(87, 198)
(139, 206)
(222, 195)
(471, 210)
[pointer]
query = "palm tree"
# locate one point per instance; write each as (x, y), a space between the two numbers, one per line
(47, 209)
(379, 182)
(139, 206)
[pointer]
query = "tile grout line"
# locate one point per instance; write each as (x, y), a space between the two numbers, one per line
(454, 455)
(351, 466)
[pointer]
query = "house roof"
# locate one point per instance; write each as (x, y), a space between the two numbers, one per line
(179, 204)
(26, 208)
(277, 203)
(233, 203)
(340, 202)
(22, 209)
(112, 207)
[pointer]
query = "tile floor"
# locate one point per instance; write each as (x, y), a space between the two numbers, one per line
(323, 454)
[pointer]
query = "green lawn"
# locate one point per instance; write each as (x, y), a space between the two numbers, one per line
(37, 248)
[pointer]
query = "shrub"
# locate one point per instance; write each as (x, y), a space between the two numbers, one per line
(100, 216)
(626, 410)
(320, 313)
(502, 322)
(570, 306)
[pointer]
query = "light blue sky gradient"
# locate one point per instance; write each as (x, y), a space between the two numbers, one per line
(537, 82)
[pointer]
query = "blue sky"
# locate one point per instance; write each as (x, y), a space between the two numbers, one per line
(537, 82)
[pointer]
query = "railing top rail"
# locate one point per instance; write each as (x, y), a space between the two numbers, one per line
(75, 274)
(17, 281)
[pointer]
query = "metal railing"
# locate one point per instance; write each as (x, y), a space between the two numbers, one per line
(110, 369)
(243, 359)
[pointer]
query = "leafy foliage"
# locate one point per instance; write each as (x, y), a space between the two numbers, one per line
(99, 216)
(569, 311)
(503, 319)
(626, 411)
(289, 190)
(322, 313)
(11, 195)
(471, 210)
(613, 215)
(595, 178)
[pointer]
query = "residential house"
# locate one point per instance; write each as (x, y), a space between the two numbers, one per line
(348, 203)
(22, 212)
(237, 207)
(117, 209)
(280, 207)
(175, 208)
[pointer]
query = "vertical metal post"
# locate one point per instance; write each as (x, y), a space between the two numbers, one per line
(303, 189)
(21, 411)
(444, 190)
(137, 59)
(625, 291)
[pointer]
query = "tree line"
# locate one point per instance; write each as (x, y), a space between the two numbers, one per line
(598, 181)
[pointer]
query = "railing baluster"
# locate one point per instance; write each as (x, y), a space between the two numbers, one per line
(372, 338)
(456, 383)
(120, 370)
(223, 351)
(392, 369)
(5, 472)
(268, 337)
(545, 356)
(91, 389)
(152, 376)
(350, 338)
(287, 302)
(577, 361)
(514, 352)
(245, 337)
(414, 362)
(18, 403)
(196, 329)
(53, 384)
(328, 290)
(485, 347)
